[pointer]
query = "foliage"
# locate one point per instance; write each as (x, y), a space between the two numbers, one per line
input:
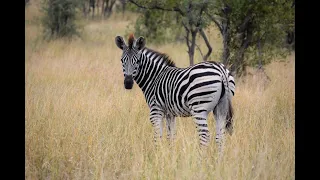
(159, 27)
(253, 31)
(166, 25)
(59, 18)
(253, 22)
(183, 15)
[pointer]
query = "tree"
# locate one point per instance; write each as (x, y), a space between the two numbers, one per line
(253, 31)
(252, 28)
(107, 6)
(167, 27)
(92, 4)
(123, 4)
(191, 18)
(59, 19)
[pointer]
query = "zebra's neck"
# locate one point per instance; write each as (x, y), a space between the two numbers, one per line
(152, 64)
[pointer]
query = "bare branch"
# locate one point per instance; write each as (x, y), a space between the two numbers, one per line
(189, 16)
(176, 9)
(259, 53)
(245, 22)
(198, 49)
(187, 37)
(215, 21)
(189, 41)
(204, 36)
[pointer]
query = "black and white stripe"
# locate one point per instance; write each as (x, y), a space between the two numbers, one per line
(172, 92)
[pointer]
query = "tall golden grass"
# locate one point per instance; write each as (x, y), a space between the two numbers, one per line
(82, 124)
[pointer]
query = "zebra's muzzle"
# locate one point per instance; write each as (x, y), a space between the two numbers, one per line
(128, 82)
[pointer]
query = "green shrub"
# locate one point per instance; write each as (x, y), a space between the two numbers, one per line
(59, 18)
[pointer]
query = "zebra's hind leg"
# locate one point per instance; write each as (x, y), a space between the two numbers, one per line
(171, 127)
(202, 127)
(221, 114)
(220, 133)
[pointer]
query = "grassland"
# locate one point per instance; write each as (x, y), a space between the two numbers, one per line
(81, 123)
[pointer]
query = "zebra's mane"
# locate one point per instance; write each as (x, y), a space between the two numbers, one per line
(130, 41)
(163, 56)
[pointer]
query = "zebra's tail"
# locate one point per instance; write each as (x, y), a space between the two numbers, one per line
(231, 87)
(229, 123)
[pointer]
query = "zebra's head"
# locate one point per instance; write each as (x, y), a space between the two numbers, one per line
(130, 57)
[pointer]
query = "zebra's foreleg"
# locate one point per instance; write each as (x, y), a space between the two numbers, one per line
(156, 121)
(200, 120)
(171, 127)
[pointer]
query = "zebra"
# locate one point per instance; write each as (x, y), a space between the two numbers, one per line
(172, 92)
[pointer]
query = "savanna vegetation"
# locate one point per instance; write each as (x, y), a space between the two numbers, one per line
(81, 123)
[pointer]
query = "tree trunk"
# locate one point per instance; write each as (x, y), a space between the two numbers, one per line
(123, 8)
(84, 9)
(102, 8)
(192, 47)
(92, 4)
(245, 37)
(124, 3)
(259, 54)
(106, 8)
(225, 32)
(226, 43)
(112, 2)
(93, 12)
(260, 65)
(58, 28)
(240, 67)
(224, 28)
(52, 32)
(290, 39)
(98, 2)
(207, 43)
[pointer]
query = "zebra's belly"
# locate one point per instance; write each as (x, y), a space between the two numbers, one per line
(177, 112)
(205, 102)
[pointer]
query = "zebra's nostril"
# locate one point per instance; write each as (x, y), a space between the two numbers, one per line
(128, 85)
(128, 82)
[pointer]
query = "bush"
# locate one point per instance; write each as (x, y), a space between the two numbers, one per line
(159, 27)
(59, 18)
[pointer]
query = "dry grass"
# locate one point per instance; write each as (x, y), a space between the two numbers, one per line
(82, 124)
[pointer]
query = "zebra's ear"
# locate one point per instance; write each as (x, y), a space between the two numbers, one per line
(120, 42)
(140, 43)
